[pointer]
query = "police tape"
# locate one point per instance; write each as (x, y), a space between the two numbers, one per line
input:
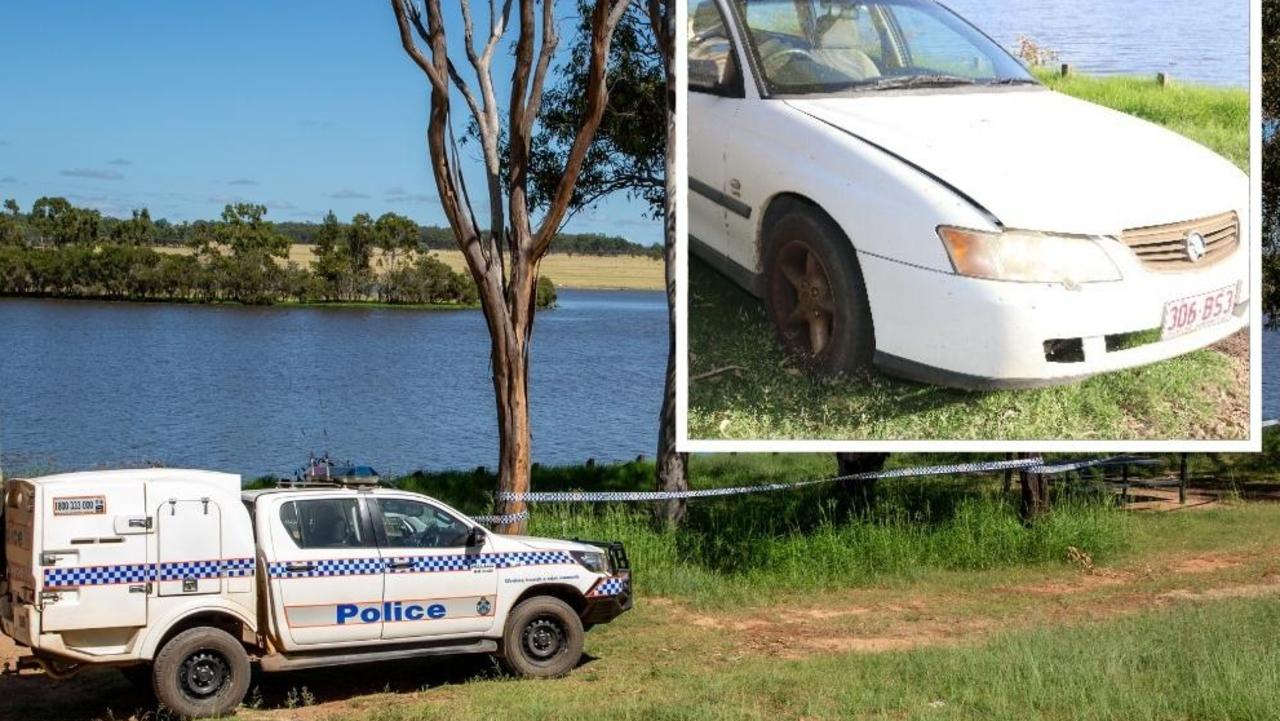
(1068, 466)
(625, 496)
(1030, 465)
(501, 520)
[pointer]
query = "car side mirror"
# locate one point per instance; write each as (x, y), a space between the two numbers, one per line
(475, 537)
(704, 74)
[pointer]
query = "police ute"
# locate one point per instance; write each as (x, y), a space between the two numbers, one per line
(183, 581)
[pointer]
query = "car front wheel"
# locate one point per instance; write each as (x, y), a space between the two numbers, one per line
(816, 296)
(543, 638)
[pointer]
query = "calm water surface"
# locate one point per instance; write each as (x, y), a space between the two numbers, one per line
(254, 390)
(1270, 374)
(1201, 41)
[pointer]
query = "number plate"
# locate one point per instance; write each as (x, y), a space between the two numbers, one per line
(1198, 311)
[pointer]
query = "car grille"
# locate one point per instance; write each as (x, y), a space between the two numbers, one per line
(1164, 247)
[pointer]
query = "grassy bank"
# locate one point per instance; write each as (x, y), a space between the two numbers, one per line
(764, 545)
(764, 396)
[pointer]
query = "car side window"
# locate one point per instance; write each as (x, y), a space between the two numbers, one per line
(713, 63)
(415, 524)
(325, 523)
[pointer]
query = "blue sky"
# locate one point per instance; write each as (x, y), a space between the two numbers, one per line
(183, 107)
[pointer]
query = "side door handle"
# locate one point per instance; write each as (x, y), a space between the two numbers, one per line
(400, 565)
(299, 567)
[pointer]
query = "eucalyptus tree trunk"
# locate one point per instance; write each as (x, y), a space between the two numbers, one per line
(504, 261)
(672, 466)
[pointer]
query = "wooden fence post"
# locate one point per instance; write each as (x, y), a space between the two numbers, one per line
(1182, 481)
(1035, 493)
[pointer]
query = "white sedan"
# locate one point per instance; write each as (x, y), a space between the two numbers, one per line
(901, 191)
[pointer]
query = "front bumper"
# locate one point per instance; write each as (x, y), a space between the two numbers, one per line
(611, 595)
(978, 334)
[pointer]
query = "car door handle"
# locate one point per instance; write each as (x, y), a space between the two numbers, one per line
(400, 565)
(299, 567)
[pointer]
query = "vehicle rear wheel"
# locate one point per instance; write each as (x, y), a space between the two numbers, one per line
(201, 672)
(815, 295)
(543, 638)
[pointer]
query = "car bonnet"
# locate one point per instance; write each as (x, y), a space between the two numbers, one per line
(1040, 160)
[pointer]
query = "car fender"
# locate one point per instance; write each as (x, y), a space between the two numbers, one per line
(158, 629)
(885, 205)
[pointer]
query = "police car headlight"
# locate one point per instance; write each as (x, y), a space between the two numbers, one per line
(593, 561)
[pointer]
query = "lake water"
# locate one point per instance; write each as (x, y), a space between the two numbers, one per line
(1270, 374)
(1205, 41)
(254, 390)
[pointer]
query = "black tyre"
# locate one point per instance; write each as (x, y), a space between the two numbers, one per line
(815, 294)
(543, 639)
(201, 672)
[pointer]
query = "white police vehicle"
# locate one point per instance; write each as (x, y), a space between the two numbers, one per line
(182, 581)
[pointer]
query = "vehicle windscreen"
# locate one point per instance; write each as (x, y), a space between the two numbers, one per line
(837, 46)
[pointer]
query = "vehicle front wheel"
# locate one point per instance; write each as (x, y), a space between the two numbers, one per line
(543, 638)
(816, 296)
(201, 672)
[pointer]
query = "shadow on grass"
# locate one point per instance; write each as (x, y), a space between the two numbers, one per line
(104, 694)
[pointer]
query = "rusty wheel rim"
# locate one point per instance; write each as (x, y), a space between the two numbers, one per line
(804, 303)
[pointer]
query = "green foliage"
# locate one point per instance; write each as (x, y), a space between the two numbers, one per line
(138, 230)
(53, 253)
(546, 292)
(629, 148)
(57, 222)
(732, 548)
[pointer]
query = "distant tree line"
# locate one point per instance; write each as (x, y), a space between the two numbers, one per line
(55, 217)
(59, 250)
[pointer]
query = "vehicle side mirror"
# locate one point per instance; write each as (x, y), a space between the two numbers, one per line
(704, 74)
(475, 537)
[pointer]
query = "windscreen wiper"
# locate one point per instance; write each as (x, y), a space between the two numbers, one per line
(1014, 81)
(920, 81)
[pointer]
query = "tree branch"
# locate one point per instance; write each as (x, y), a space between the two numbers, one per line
(603, 22)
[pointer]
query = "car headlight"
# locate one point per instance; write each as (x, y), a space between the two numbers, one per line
(593, 561)
(1028, 256)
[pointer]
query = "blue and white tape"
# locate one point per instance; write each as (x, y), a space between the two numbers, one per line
(626, 496)
(1068, 466)
(1031, 465)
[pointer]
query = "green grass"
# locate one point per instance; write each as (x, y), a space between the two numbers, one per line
(771, 399)
(1195, 661)
(768, 544)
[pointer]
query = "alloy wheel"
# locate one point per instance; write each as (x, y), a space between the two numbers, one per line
(806, 307)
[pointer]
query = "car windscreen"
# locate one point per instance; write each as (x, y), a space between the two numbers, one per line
(836, 46)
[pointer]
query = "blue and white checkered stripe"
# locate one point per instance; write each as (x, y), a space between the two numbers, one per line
(73, 576)
(611, 586)
(327, 567)
(420, 564)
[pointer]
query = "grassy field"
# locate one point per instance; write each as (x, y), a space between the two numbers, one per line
(1200, 395)
(623, 272)
(956, 615)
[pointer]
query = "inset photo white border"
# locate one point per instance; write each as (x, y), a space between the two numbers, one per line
(686, 444)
